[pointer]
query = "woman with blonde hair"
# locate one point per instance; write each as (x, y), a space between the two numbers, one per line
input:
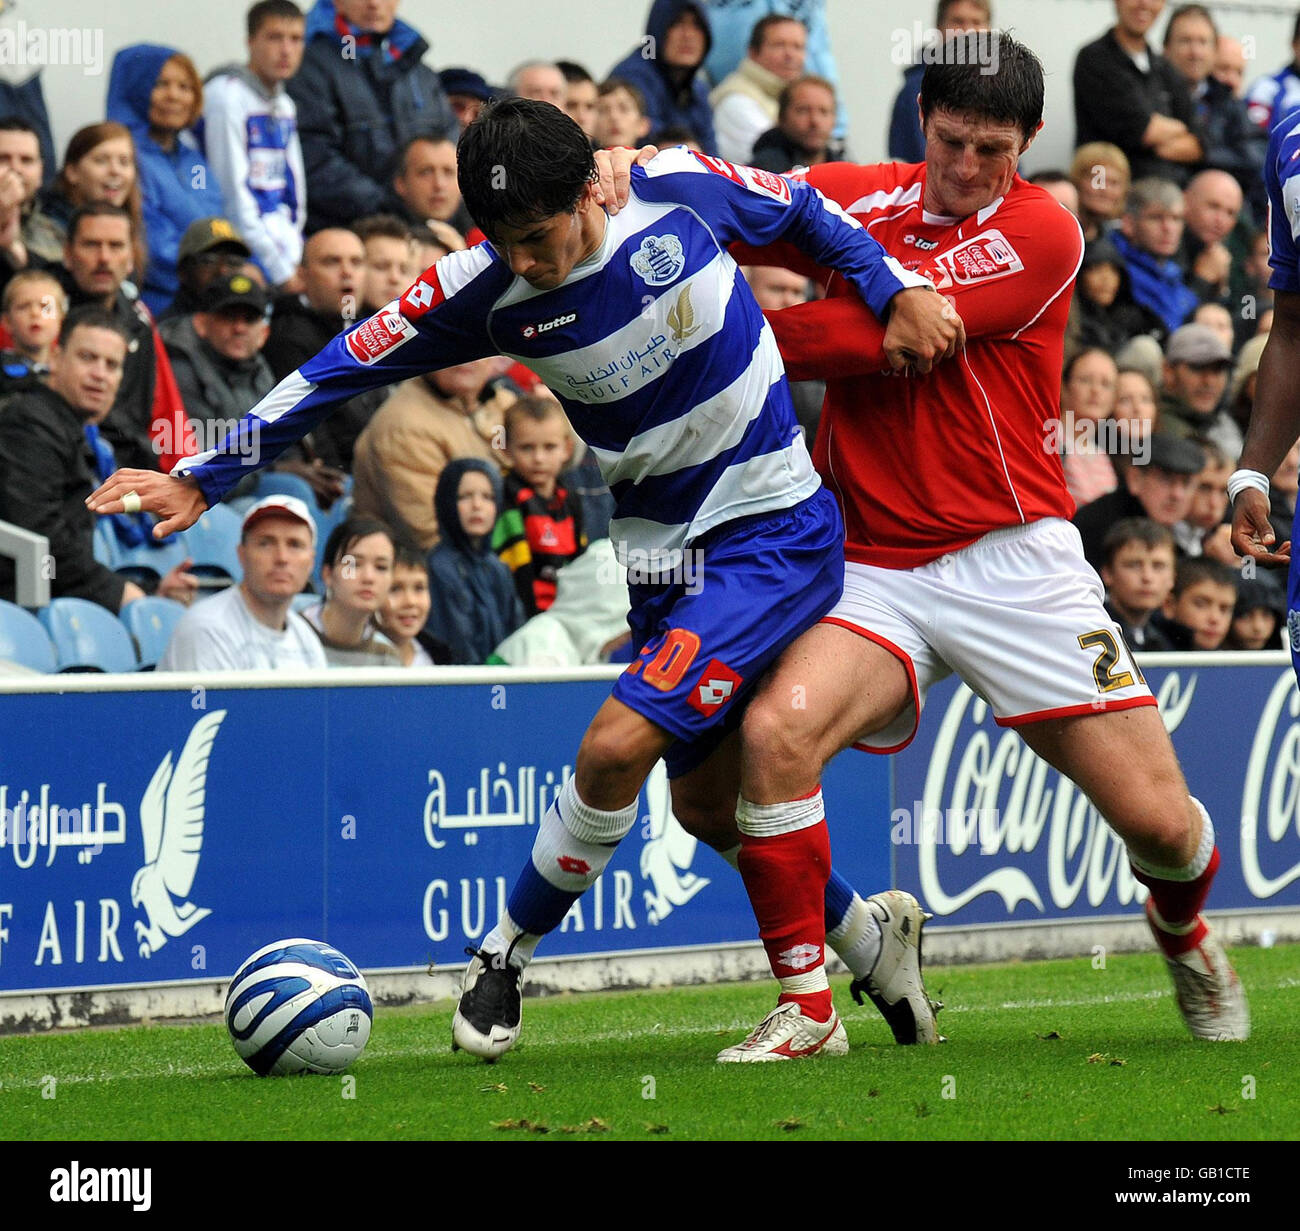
(156, 93)
(99, 167)
(1101, 174)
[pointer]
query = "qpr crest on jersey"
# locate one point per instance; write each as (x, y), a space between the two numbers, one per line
(659, 260)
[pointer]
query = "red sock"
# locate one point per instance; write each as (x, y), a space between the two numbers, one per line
(1178, 905)
(785, 876)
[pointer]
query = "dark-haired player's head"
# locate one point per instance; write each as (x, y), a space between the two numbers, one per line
(981, 107)
(1137, 567)
(1203, 599)
(528, 178)
(538, 442)
(275, 40)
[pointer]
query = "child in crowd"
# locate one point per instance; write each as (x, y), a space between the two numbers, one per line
(1258, 616)
(1138, 572)
(473, 604)
(406, 610)
(389, 258)
(620, 114)
(34, 306)
(357, 572)
(1198, 614)
(539, 529)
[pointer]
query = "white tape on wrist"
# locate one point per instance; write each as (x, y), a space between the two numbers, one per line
(1239, 480)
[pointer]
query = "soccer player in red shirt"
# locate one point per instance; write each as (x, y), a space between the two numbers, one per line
(960, 553)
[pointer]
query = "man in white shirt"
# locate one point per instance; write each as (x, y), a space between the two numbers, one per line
(251, 625)
(745, 104)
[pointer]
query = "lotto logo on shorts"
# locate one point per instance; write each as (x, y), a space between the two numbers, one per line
(715, 688)
(385, 331)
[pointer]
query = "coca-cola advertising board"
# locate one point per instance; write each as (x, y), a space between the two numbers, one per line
(984, 832)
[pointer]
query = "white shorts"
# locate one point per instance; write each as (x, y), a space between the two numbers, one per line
(1018, 615)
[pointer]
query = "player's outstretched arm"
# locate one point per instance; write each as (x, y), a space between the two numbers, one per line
(177, 502)
(1274, 428)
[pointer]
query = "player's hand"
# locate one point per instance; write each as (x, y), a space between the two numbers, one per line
(178, 503)
(615, 168)
(1252, 533)
(924, 329)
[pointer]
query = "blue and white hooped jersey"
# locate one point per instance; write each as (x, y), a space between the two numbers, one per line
(654, 345)
(1282, 179)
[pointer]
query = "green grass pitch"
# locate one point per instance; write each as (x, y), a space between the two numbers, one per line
(1049, 1050)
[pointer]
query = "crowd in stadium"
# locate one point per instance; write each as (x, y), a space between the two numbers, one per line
(203, 238)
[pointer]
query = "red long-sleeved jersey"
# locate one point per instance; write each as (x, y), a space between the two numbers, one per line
(925, 465)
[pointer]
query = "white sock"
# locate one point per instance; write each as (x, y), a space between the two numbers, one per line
(857, 939)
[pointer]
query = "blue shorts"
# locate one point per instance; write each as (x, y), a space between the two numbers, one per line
(709, 635)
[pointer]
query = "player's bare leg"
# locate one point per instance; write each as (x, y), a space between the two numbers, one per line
(575, 841)
(1124, 762)
(829, 689)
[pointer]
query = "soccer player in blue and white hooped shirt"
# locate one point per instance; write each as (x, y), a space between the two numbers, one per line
(1275, 418)
(645, 330)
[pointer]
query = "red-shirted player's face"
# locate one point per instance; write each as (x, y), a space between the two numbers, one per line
(969, 162)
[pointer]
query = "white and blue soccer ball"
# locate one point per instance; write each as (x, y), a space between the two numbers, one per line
(298, 1006)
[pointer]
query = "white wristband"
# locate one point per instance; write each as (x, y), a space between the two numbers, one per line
(1239, 480)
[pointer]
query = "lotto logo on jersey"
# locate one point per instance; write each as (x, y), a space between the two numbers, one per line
(423, 296)
(982, 259)
(383, 333)
(531, 331)
(715, 687)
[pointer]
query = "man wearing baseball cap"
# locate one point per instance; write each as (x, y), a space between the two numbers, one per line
(211, 248)
(252, 625)
(1197, 366)
(217, 356)
(1160, 489)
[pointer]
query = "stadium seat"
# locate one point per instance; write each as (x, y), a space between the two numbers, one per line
(212, 543)
(147, 563)
(23, 640)
(151, 622)
(105, 543)
(280, 483)
(87, 637)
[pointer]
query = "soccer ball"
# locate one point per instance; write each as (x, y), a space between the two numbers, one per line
(298, 1006)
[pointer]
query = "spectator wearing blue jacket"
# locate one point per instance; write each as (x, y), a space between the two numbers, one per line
(156, 92)
(906, 142)
(668, 69)
(731, 22)
(362, 94)
(1148, 239)
(473, 602)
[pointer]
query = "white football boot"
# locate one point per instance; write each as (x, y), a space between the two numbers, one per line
(1209, 994)
(786, 1034)
(487, 1019)
(894, 984)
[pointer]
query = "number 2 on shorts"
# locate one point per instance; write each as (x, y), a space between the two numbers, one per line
(1103, 670)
